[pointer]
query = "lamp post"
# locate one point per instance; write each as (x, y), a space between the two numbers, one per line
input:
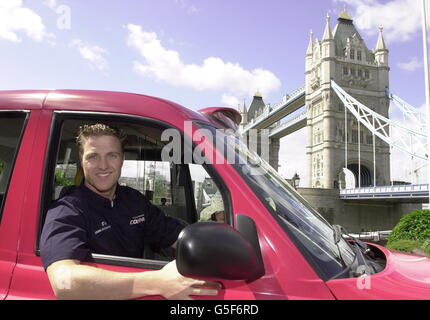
(296, 180)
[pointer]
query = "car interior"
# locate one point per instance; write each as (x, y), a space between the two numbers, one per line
(180, 190)
(11, 128)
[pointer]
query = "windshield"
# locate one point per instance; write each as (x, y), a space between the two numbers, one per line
(311, 233)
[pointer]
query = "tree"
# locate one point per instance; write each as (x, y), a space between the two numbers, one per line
(411, 232)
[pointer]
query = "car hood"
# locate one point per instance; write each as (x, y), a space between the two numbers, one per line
(406, 276)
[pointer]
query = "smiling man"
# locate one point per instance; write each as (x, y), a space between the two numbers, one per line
(100, 216)
(102, 157)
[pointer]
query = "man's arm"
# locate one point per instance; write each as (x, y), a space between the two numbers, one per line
(71, 280)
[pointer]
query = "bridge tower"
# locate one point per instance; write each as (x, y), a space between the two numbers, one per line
(256, 109)
(342, 55)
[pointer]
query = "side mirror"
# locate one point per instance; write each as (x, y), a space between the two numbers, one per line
(214, 250)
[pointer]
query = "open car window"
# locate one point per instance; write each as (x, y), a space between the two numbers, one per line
(179, 190)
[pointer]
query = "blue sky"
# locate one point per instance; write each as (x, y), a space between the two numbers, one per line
(196, 52)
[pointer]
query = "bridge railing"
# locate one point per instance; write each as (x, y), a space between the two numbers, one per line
(375, 236)
(395, 191)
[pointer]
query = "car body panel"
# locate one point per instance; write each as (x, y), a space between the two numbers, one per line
(19, 100)
(406, 276)
(121, 103)
(29, 277)
(13, 207)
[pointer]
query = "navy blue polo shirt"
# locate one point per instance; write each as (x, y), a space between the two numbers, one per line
(83, 222)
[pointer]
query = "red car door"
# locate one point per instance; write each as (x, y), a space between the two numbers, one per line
(27, 282)
(17, 133)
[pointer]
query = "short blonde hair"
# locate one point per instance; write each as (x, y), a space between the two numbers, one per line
(99, 129)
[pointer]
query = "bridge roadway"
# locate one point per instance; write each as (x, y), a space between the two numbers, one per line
(289, 126)
(288, 105)
(397, 193)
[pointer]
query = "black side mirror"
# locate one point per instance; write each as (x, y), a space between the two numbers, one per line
(214, 250)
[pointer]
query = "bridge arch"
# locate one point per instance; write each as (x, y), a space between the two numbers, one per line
(365, 174)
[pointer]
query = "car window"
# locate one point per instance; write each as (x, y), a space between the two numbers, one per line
(152, 178)
(180, 190)
(158, 182)
(11, 129)
(207, 196)
(162, 183)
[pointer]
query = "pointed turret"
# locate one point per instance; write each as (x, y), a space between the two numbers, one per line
(381, 58)
(345, 15)
(380, 45)
(310, 50)
(328, 46)
(244, 113)
(381, 51)
(327, 32)
(257, 106)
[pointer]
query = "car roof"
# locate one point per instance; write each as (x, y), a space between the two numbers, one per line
(98, 101)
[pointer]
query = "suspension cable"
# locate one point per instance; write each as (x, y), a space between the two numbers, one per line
(381, 124)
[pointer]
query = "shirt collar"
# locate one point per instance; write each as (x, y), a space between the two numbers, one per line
(98, 199)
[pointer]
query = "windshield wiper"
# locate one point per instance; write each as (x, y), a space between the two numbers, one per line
(337, 234)
(358, 246)
(339, 231)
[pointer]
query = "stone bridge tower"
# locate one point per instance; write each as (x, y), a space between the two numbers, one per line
(343, 56)
(256, 109)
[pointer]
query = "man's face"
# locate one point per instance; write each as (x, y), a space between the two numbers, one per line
(102, 161)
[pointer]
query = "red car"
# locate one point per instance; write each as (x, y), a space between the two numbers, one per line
(273, 245)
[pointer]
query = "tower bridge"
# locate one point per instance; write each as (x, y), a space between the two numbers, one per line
(344, 105)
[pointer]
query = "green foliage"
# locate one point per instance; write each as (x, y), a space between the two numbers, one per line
(412, 232)
(160, 188)
(60, 180)
(405, 245)
(409, 245)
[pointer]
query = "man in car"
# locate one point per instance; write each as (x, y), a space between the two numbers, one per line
(100, 216)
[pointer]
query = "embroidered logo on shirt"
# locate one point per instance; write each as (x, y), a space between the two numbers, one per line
(137, 220)
(104, 227)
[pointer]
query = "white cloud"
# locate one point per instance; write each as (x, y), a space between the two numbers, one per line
(213, 74)
(230, 100)
(16, 19)
(401, 19)
(93, 54)
(411, 65)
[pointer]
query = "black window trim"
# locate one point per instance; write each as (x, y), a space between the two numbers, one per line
(18, 147)
(58, 117)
